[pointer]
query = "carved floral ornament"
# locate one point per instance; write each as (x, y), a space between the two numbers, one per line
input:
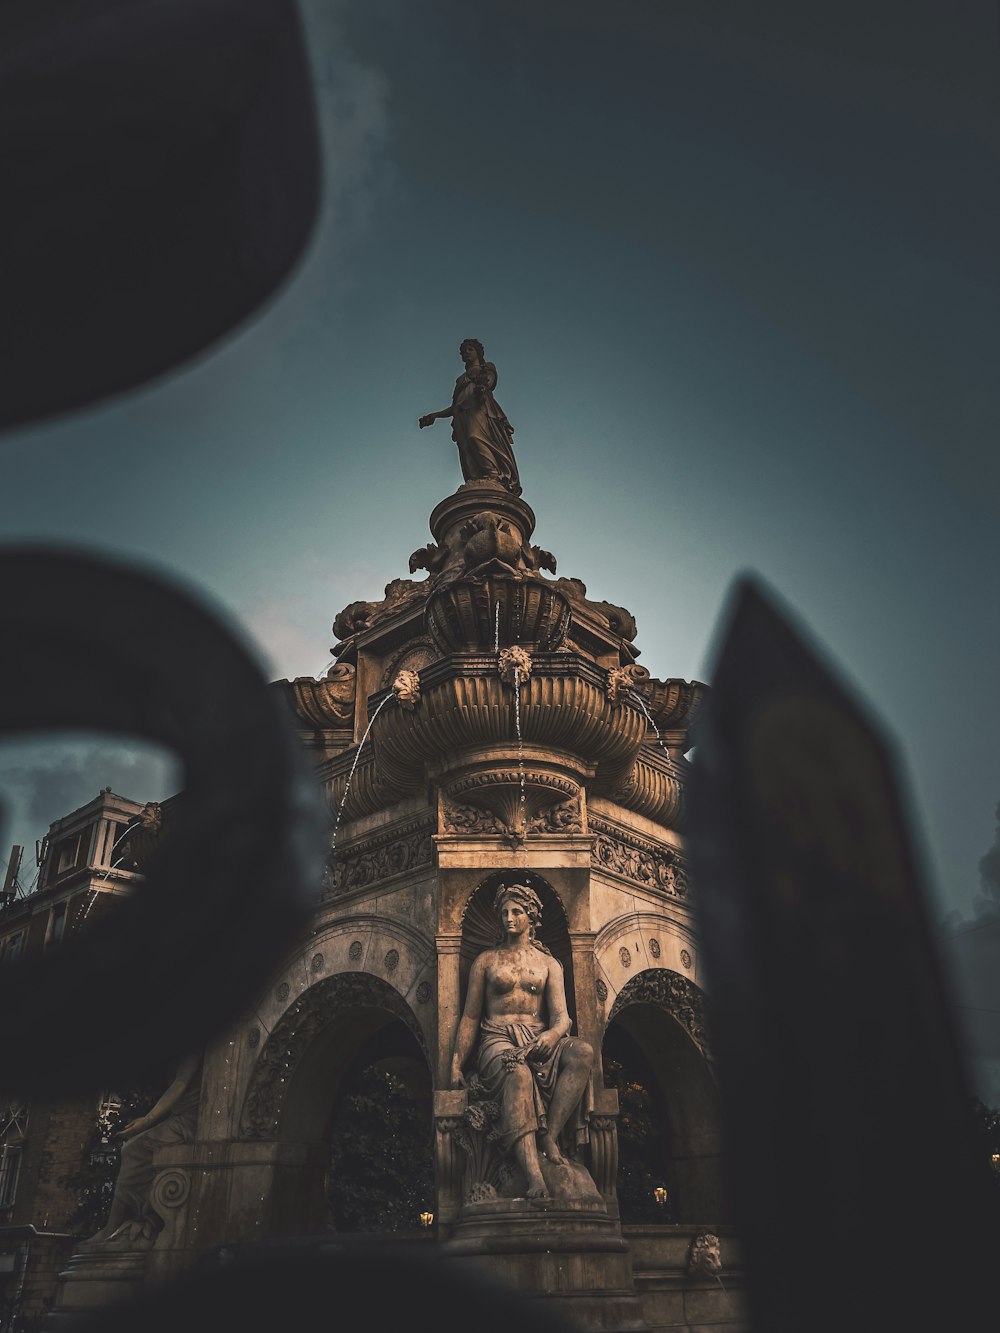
(657, 867)
(406, 849)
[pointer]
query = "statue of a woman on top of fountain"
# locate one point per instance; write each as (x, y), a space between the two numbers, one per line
(484, 436)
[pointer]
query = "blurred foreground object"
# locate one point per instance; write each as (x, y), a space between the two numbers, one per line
(160, 180)
(239, 866)
(859, 1197)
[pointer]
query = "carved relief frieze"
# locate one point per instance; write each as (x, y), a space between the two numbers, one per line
(639, 860)
(563, 818)
(392, 852)
(469, 819)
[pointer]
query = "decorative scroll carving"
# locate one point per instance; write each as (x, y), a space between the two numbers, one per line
(623, 679)
(669, 991)
(325, 704)
(602, 990)
(563, 818)
(469, 819)
(499, 790)
(618, 619)
(297, 1029)
(170, 1189)
(394, 852)
(431, 557)
(358, 617)
(625, 854)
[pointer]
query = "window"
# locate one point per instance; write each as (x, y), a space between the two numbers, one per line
(67, 852)
(57, 924)
(10, 1169)
(15, 943)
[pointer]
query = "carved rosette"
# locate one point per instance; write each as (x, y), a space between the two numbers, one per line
(462, 616)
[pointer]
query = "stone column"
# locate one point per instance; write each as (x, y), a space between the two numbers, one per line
(449, 1000)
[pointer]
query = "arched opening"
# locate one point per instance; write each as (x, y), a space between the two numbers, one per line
(668, 1132)
(344, 1065)
(379, 1136)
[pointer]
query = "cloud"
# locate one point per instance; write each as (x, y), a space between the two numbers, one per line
(42, 780)
(988, 901)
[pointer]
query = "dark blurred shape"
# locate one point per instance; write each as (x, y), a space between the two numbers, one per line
(299, 1285)
(160, 179)
(236, 876)
(860, 1197)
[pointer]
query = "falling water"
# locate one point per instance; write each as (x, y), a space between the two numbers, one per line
(496, 634)
(129, 828)
(649, 718)
(520, 748)
(343, 800)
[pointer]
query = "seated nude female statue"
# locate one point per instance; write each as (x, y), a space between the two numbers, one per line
(526, 1061)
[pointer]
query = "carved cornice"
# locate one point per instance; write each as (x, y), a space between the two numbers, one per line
(629, 856)
(674, 705)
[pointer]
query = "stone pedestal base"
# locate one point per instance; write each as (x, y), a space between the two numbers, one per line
(567, 1253)
(95, 1279)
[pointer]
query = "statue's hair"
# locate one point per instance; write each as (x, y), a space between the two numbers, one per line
(527, 898)
(474, 342)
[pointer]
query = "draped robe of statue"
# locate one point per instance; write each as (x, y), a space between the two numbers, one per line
(484, 436)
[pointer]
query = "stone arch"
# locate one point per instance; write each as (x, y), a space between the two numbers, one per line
(347, 1005)
(301, 1072)
(663, 1014)
(480, 929)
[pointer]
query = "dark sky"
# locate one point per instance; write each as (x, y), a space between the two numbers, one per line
(736, 264)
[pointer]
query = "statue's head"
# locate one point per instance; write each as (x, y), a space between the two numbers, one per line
(525, 897)
(474, 345)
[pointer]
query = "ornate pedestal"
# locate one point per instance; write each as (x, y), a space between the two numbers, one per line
(569, 1254)
(94, 1280)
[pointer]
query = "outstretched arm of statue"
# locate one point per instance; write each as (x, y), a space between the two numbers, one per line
(468, 1027)
(431, 417)
(558, 1015)
(185, 1073)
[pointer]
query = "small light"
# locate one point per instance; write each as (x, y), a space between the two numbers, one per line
(426, 1219)
(660, 1195)
(995, 1159)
